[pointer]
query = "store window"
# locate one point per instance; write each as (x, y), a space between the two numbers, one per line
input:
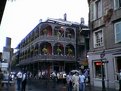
(98, 70)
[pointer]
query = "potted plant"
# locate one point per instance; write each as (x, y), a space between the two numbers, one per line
(58, 50)
(45, 31)
(69, 51)
(45, 50)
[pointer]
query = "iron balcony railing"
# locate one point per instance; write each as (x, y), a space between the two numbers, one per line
(47, 58)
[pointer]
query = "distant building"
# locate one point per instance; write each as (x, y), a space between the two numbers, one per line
(105, 35)
(54, 45)
(6, 54)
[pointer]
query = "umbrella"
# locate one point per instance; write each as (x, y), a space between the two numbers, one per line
(74, 71)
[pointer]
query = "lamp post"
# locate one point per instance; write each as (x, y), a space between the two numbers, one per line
(102, 68)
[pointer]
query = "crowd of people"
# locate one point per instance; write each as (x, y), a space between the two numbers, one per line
(77, 81)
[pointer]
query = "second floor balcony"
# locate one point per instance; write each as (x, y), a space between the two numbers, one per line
(47, 58)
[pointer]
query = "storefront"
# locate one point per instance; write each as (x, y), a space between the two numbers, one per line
(111, 64)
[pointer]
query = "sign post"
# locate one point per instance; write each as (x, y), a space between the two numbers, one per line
(102, 67)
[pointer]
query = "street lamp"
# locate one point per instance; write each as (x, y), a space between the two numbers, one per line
(102, 68)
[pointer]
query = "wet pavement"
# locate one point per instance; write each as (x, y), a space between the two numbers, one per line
(48, 85)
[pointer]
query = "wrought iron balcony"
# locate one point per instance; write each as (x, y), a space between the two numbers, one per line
(47, 58)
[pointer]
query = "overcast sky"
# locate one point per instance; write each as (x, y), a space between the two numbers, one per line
(21, 16)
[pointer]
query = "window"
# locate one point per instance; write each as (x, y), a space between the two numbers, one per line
(98, 38)
(98, 70)
(117, 29)
(96, 9)
(117, 4)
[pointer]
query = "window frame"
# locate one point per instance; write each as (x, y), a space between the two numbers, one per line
(94, 6)
(94, 38)
(115, 31)
(117, 5)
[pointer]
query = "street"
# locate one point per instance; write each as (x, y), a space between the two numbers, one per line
(48, 85)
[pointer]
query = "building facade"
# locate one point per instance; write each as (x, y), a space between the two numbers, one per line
(105, 37)
(53, 45)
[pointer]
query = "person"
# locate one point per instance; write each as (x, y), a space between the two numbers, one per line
(39, 74)
(19, 80)
(82, 82)
(119, 76)
(86, 74)
(1, 78)
(24, 81)
(54, 78)
(75, 81)
(69, 82)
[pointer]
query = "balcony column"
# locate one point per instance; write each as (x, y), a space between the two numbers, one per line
(52, 49)
(52, 30)
(64, 51)
(64, 32)
(38, 66)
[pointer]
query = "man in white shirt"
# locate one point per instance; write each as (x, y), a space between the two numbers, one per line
(75, 81)
(19, 80)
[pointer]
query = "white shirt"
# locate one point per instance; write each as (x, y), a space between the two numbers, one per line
(24, 77)
(19, 74)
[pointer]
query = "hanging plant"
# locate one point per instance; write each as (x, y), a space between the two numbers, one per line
(58, 50)
(45, 31)
(45, 50)
(69, 51)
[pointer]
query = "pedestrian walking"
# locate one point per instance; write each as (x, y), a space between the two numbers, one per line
(86, 74)
(19, 80)
(75, 81)
(69, 82)
(54, 78)
(1, 78)
(24, 82)
(82, 82)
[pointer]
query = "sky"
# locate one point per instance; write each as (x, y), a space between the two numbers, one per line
(21, 16)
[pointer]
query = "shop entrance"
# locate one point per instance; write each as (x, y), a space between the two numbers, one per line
(118, 62)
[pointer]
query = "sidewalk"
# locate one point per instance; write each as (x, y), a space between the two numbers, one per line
(47, 85)
(11, 88)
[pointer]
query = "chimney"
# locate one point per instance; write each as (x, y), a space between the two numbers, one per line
(40, 20)
(8, 42)
(65, 17)
(82, 20)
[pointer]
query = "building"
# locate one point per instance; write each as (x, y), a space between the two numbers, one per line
(105, 42)
(6, 55)
(54, 45)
